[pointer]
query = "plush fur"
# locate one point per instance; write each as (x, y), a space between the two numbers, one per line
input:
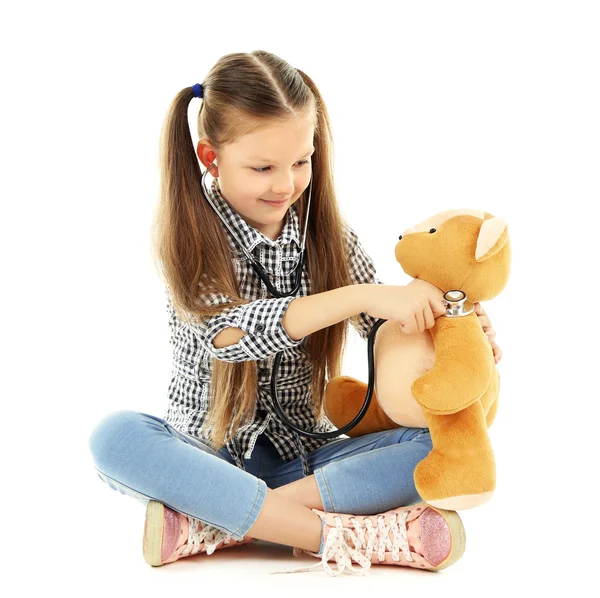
(445, 378)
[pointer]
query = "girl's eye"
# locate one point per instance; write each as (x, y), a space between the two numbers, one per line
(264, 169)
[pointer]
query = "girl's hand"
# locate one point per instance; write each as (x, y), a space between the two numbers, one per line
(414, 306)
(484, 320)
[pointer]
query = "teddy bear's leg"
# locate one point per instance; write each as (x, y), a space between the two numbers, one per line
(344, 397)
(460, 470)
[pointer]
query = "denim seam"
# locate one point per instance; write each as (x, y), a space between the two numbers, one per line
(253, 510)
(320, 474)
(117, 483)
(264, 465)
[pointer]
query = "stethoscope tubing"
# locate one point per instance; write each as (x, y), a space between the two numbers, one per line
(276, 293)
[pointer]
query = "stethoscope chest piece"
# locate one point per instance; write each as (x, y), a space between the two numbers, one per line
(457, 304)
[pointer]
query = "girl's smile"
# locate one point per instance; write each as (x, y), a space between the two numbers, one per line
(276, 204)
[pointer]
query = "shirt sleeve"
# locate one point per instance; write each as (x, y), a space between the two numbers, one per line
(362, 271)
(261, 319)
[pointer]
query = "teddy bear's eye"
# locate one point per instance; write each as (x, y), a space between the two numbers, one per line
(432, 230)
(400, 238)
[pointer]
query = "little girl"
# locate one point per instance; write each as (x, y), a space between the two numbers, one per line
(221, 469)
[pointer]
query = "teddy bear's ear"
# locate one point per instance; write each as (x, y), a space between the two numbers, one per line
(493, 234)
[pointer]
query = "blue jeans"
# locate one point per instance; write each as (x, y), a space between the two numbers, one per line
(141, 455)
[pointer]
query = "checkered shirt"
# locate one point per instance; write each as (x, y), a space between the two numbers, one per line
(193, 351)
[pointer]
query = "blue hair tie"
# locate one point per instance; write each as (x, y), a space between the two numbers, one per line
(198, 90)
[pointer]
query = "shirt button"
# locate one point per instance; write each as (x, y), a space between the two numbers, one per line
(260, 327)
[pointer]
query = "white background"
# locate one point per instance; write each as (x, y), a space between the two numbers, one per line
(434, 105)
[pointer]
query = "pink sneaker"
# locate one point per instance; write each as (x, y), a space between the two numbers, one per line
(169, 536)
(419, 536)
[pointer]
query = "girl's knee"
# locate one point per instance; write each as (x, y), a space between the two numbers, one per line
(108, 432)
(413, 435)
(406, 434)
(423, 436)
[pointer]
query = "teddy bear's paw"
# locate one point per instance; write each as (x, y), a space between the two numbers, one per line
(455, 485)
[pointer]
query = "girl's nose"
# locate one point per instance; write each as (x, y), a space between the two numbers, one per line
(283, 185)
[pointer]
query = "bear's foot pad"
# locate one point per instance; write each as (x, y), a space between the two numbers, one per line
(458, 503)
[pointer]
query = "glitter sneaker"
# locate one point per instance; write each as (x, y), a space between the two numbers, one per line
(170, 535)
(418, 536)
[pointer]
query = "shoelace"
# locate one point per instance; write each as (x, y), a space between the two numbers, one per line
(340, 542)
(209, 535)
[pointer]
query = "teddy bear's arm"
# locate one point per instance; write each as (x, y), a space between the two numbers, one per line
(464, 365)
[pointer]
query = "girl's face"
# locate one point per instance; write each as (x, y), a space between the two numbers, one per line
(270, 164)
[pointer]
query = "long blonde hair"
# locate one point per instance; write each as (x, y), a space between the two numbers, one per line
(241, 92)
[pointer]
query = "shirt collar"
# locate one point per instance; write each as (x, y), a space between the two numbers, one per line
(248, 235)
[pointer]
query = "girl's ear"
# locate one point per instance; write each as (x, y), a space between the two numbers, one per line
(206, 154)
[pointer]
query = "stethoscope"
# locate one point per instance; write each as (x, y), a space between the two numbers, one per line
(457, 306)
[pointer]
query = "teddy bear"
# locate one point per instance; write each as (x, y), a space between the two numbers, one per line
(444, 378)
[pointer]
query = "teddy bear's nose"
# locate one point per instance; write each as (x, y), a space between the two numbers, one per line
(432, 230)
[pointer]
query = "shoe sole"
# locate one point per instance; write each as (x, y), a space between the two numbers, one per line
(153, 533)
(458, 535)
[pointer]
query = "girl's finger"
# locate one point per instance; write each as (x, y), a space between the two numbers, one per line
(497, 351)
(485, 322)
